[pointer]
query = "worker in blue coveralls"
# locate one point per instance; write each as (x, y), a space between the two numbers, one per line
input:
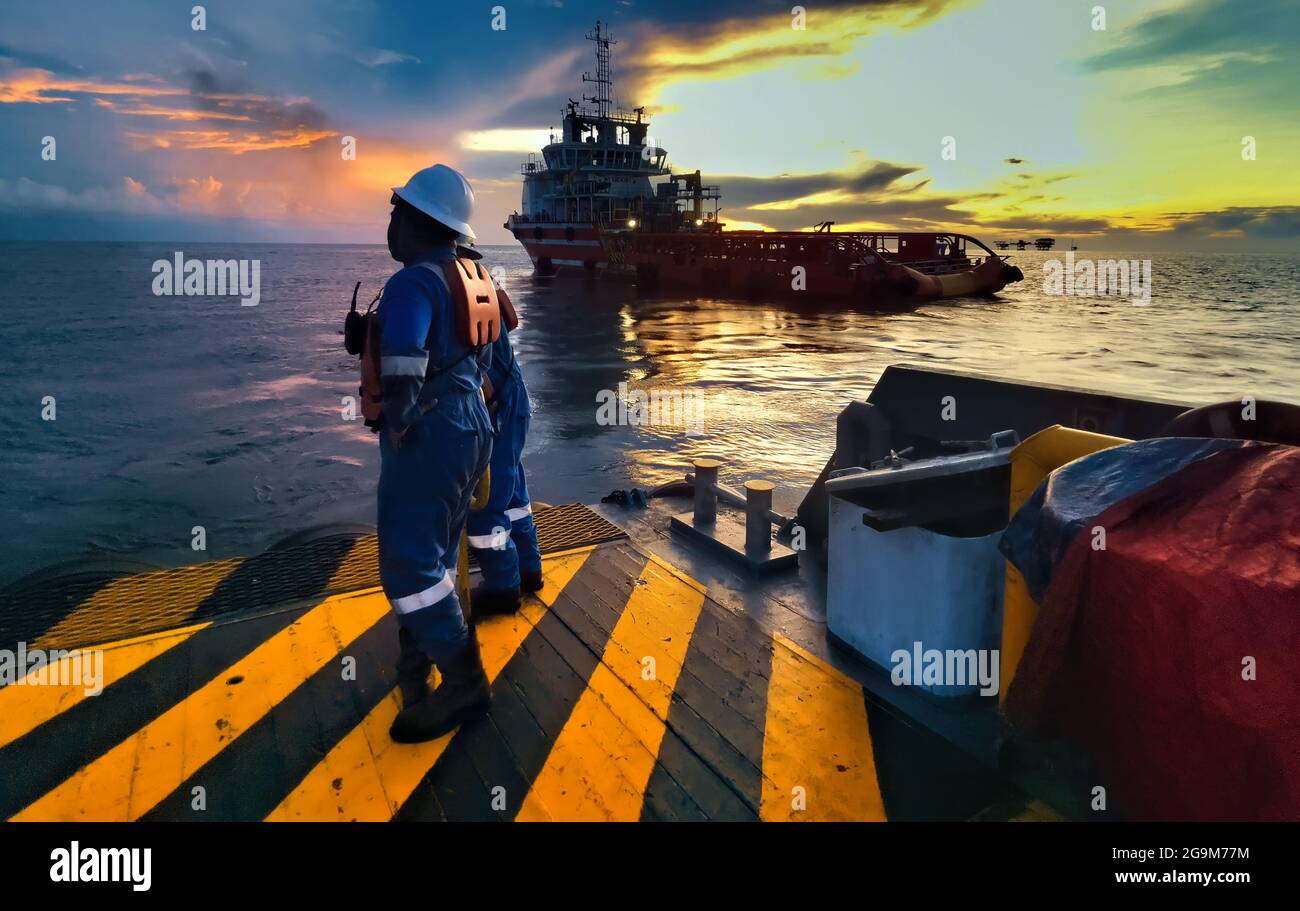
(435, 442)
(502, 535)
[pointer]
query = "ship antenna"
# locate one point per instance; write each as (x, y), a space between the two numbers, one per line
(604, 84)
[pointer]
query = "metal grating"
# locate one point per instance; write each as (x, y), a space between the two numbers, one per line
(84, 609)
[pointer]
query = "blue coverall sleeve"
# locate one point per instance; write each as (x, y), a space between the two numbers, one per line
(406, 313)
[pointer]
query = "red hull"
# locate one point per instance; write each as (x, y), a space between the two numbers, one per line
(559, 248)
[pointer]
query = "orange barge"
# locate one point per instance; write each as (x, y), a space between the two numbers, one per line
(873, 270)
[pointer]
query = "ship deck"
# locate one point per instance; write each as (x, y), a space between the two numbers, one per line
(641, 683)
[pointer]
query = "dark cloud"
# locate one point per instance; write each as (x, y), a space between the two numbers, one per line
(218, 94)
(883, 198)
(742, 191)
(1271, 222)
(1045, 224)
(1238, 53)
(1207, 27)
(673, 14)
(903, 213)
(38, 59)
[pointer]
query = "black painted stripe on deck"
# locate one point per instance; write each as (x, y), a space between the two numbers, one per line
(27, 612)
(666, 801)
(533, 697)
(711, 751)
(720, 709)
(249, 779)
(49, 754)
(681, 786)
(709, 730)
(277, 577)
(590, 622)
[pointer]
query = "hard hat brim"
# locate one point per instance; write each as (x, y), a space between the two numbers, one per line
(467, 235)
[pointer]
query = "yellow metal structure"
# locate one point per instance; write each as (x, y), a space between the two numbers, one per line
(1031, 461)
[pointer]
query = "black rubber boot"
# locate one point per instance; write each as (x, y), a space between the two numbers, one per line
(491, 602)
(530, 582)
(460, 698)
(413, 667)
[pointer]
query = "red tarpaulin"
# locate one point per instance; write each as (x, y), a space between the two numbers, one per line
(1143, 652)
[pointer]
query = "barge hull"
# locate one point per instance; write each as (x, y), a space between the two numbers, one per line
(853, 267)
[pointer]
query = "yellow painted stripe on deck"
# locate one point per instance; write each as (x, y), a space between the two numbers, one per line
(359, 563)
(135, 775)
(601, 763)
(367, 777)
(183, 590)
(27, 705)
(816, 743)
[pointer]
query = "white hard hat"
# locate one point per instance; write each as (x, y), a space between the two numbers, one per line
(443, 194)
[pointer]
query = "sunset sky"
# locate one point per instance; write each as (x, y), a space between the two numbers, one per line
(1129, 136)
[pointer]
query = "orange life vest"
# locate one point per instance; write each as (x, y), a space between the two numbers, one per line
(508, 315)
(372, 388)
(480, 307)
(474, 298)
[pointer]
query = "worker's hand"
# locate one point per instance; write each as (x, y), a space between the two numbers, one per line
(395, 437)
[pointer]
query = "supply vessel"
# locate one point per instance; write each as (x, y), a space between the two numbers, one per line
(602, 200)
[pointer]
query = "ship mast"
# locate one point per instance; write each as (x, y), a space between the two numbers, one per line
(604, 85)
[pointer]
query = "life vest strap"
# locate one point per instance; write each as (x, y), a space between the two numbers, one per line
(474, 299)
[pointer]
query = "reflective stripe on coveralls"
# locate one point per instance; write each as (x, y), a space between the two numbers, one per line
(427, 598)
(427, 479)
(494, 540)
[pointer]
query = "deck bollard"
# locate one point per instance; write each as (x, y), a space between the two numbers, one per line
(706, 494)
(758, 527)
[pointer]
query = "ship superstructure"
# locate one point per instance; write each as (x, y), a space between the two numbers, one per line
(597, 174)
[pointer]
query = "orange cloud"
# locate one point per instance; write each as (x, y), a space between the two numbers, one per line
(206, 133)
(234, 143)
(280, 123)
(139, 109)
(37, 86)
